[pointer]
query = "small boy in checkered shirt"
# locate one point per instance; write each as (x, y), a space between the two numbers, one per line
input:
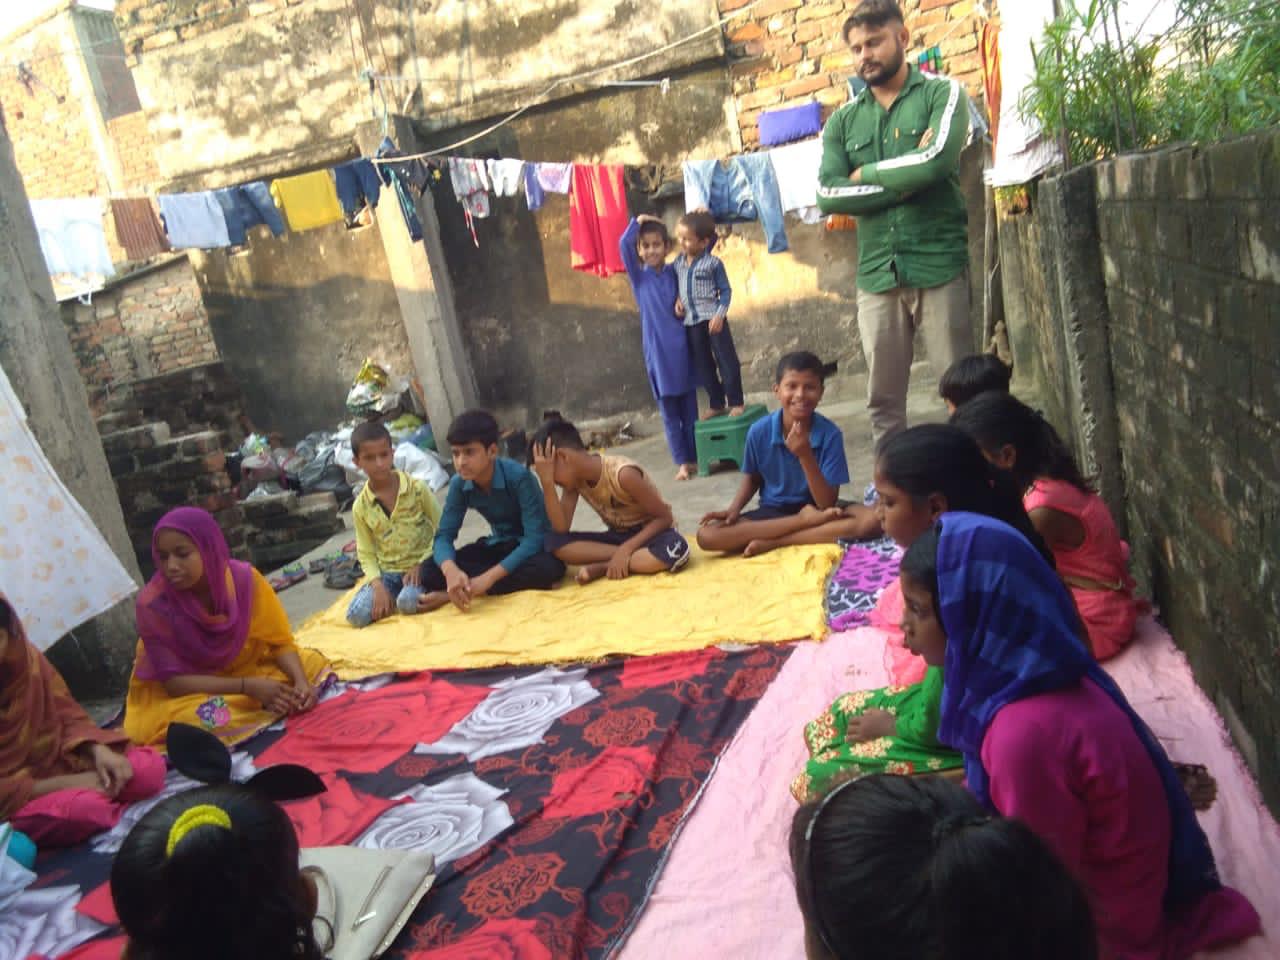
(704, 295)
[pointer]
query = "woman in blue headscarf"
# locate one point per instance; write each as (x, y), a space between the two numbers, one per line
(1048, 738)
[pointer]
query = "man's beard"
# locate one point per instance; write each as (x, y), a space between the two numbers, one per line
(887, 71)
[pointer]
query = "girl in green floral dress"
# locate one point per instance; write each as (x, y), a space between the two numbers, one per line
(920, 474)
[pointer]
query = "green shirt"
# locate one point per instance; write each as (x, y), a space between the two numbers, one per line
(912, 225)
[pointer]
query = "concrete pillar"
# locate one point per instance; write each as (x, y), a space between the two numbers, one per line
(36, 355)
(421, 279)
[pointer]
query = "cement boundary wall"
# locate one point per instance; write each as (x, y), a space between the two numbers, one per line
(1143, 307)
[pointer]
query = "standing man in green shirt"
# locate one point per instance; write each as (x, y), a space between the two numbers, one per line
(891, 158)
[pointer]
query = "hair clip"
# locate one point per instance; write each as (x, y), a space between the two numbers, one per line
(201, 815)
(201, 756)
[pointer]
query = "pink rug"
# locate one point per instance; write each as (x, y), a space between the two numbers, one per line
(727, 888)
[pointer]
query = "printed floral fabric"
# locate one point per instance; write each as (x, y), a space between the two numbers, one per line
(57, 569)
(867, 568)
(549, 797)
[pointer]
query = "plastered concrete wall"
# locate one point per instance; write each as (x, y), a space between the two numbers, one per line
(1189, 265)
(542, 335)
(225, 83)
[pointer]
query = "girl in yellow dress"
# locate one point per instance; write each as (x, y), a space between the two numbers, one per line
(215, 647)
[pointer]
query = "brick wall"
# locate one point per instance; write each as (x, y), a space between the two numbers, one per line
(784, 53)
(52, 142)
(152, 322)
(1190, 261)
(135, 151)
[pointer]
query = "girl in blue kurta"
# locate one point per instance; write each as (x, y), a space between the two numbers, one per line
(644, 247)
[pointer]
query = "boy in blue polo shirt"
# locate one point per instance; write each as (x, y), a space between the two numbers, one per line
(506, 494)
(794, 459)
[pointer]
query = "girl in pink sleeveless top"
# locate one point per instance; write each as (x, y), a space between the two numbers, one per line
(1091, 557)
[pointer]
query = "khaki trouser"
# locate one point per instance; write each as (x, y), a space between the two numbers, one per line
(887, 323)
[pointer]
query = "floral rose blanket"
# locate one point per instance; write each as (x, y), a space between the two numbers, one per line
(549, 798)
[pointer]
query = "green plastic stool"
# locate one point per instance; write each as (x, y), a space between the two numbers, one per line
(725, 438)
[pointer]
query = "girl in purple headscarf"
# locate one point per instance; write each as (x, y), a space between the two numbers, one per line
(215, 648)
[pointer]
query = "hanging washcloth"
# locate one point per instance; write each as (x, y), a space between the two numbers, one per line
(555, 177)
(357, 185)
(597, 218)
(73, 238)
(308, 200)
(796, 168)
(194, 220)
(533, 193)
(505, 175)
(246, 206)
(138, 228)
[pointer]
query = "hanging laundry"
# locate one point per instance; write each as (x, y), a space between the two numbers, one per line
(398, 177)
(505, 175)
(73, 238)
(193, 220)
(743, 189)
(597, 218)
(357, 185)
(246, 206)
(533, 193)
(308, 200)
(796, 168)
(138, 228)
(555, 177)
(470, 186)
(57, 569)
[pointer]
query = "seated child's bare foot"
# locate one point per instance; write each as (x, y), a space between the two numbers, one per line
(757, 547)
(737, 411)
(712, 414)
(592, 571)
(1199, 783)
(686, 471)
(432, 601)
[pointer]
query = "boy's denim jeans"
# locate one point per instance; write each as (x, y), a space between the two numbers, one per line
(360, 611)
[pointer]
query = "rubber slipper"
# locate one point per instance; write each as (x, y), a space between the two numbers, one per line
(281, 583)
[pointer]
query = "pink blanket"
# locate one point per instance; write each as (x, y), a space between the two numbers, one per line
(727, 889)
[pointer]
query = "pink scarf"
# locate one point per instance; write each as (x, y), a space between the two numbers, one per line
(178, 634)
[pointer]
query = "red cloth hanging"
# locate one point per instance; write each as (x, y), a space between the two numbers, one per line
(990, 51)
(597, 218)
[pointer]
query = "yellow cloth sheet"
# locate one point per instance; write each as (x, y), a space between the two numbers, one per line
(308, 200)
(767, 599)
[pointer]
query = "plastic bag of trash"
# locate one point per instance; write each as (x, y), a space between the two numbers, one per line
(254, 443)
(367, 388)
(403, 426)
(423, 465)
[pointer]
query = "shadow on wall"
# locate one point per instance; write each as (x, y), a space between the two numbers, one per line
(542, 335)
(294, 318)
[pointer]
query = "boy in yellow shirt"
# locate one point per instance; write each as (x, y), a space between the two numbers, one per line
(396, 518)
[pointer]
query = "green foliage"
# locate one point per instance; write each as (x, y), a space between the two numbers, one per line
(1215, 73)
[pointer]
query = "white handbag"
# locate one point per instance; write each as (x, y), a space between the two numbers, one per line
(365, 897)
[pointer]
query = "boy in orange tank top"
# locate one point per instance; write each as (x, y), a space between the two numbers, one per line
(641, 538)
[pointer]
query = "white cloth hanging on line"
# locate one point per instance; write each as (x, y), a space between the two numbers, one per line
(73, 238)
(56, 567)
